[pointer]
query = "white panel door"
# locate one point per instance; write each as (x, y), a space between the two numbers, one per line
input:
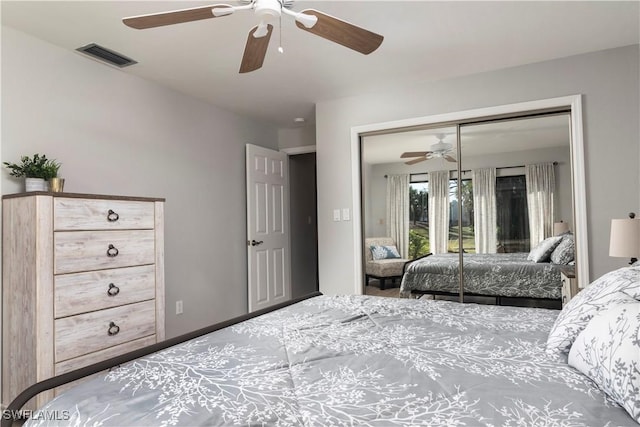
(267, 227)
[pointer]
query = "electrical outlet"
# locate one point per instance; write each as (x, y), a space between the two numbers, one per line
(336, 214)
(346, 216)
(179, 308)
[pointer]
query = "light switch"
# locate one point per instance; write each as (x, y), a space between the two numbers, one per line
(345, 214)
(336, 214)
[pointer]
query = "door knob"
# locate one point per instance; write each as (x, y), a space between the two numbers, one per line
(254, 243)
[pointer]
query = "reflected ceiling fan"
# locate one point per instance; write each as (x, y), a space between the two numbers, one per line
(440, 149)
(268, 11)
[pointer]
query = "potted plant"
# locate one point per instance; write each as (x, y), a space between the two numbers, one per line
(36, 170)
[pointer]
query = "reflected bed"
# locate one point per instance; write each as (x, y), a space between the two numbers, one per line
(499, 275)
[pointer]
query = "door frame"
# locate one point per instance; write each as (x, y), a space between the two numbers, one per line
(289, 152)
(574, 102)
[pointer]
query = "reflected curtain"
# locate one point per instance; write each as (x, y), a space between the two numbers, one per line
(484, 210)
(438, 211)
(541, 184)
(398, 211)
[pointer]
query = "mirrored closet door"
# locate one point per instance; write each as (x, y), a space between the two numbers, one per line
(500, 189)
(516, 199)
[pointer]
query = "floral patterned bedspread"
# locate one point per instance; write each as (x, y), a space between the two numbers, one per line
(352, 360)
(508, 275)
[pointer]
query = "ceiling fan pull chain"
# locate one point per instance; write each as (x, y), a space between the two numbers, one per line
(280, 49)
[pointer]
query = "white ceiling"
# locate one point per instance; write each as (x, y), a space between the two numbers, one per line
(424, 40)
(475, 140)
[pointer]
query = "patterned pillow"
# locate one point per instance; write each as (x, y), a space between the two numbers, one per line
(608, 352)
(543, 249)
(384, 252)
(564, 253)
(599, 295)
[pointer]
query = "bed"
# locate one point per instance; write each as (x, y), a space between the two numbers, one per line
(499, 275)
(354, 360)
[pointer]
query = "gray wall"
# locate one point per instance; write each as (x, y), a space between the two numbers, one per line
(118, 134)
(610, 84)
(375, 206)
(297, 137)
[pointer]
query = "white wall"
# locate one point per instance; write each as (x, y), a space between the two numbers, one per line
(118, 134)
(610, 84)
(375, 205)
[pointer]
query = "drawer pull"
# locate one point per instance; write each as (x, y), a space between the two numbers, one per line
(113, 329)
(112, 216)
(112, 251)
(113, 290)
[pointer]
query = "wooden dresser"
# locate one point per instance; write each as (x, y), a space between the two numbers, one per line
(83, 280)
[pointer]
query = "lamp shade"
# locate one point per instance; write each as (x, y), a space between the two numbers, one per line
(560, 227)
(625, 237)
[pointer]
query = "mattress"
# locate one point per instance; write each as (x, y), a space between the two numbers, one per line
(508, 275)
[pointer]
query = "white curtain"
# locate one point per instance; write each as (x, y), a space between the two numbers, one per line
(541, 184)
(439, 211)
(398, 211)
(484, 210)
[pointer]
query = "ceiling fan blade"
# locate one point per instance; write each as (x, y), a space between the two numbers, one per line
(342, 32)
(448, 158)
(175, 17)
(255, 50)
(414, 161)
(414, 154)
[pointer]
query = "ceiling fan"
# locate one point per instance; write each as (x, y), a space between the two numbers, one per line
(268, 11)
(439, 149)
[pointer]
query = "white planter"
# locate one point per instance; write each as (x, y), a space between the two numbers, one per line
(35, 184)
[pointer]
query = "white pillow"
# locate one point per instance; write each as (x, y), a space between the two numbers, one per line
(599, 295)
(543, 250)
(608, 352)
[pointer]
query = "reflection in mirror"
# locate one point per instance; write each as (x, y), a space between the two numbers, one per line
(499, 207)
(407, 192)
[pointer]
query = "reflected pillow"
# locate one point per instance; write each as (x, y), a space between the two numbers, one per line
(608, 290)
(384, 252)
(608, 352)
(564, 253)
(543, 250)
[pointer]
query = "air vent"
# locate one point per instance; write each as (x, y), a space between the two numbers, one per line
(106, 55)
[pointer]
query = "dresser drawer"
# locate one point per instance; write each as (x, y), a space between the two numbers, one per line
(86, 333)
(101, 214)
(83, 292)
(98, 356)
(77, 251)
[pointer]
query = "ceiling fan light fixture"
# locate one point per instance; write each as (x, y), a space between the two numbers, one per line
(268, 10)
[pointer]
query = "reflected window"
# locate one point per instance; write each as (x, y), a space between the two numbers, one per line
(419, 219)
(466, 210)
(513, 214)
